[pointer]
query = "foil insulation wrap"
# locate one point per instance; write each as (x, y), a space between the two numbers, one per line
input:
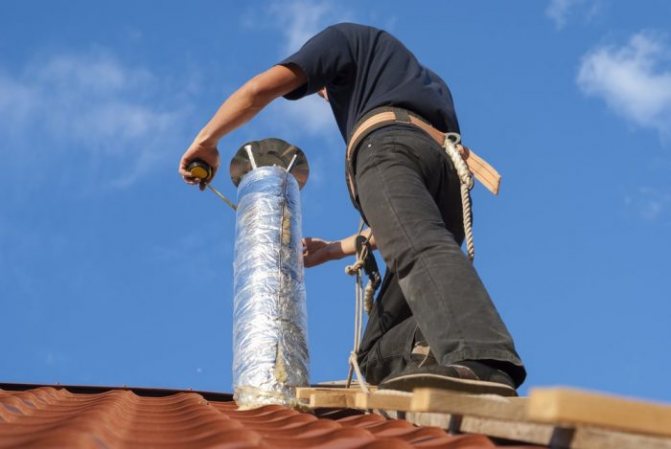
(270, 354)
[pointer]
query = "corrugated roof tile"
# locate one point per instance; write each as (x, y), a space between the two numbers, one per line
(49, 417)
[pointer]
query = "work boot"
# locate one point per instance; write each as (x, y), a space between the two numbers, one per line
(468, 376)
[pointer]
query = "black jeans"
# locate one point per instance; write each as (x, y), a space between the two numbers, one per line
(410, 195)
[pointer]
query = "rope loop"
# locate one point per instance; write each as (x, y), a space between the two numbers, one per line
(354, 268)
(450, 146)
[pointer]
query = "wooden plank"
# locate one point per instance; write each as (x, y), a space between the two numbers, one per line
(511, 430)
(582, 437)
(596, 438)
(572, 407)
(332, 400)
(384, 400)
(491, 406)
(328, 397)
(303, 393)
(494, 416)
(340, 384)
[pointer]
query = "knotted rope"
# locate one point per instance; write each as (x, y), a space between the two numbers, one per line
(451, 145)
(355, 269)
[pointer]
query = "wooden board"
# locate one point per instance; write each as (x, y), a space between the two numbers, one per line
(589, 421)
(596, 438)
(328, 397)
(511, 430)
(572, 407)
(536, 433)
(340, 384)
(384, 400)
(492, 406)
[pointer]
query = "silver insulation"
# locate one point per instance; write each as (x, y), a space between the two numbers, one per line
(270, 354)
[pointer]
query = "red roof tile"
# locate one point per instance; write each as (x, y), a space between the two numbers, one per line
(79, 417)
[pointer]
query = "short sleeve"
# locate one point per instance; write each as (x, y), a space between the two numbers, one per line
(323, 59)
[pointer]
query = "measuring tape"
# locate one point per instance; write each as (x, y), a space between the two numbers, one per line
(200, 170)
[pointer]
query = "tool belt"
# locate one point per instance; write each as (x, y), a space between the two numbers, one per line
(384, 116)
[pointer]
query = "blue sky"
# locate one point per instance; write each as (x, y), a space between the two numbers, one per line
(114, 272)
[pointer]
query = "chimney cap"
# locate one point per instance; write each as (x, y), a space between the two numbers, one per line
(269, 152)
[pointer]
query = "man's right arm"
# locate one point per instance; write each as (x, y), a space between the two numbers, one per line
(238, 109)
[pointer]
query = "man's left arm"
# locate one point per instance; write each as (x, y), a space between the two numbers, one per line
(317, 251)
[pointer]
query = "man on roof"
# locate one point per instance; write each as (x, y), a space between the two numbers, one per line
(433, 323)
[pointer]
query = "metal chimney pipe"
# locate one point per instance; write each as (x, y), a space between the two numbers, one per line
(270, 352)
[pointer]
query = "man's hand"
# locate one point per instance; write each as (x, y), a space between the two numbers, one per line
(239, 108)
(207, 153)
(317, 251)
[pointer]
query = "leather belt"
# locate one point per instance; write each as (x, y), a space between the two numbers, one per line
(384, 116)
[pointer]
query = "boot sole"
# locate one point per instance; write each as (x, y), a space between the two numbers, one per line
(409, 382)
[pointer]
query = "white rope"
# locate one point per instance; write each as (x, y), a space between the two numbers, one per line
(358, 328)
(466, 178)
(361, 297)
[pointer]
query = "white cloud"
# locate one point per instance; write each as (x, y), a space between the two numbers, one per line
(560, 10)
(633, 80)
(296, 21)
(98, 72)
(299, 20)
(307, 120)
(92, 105)
(312, 114)
(16, 102)
(650, 203)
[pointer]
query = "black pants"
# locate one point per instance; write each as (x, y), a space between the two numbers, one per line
(410, 195)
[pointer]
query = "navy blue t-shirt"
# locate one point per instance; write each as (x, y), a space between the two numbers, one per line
(364, 68)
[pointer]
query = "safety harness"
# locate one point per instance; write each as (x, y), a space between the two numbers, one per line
(465, 161)
(384, 116)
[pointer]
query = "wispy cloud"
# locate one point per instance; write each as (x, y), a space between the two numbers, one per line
(560, 10)
(311, 116)
(296, 21)
(650, 203)
(299, 20)
(90, 104)
(634, 80)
